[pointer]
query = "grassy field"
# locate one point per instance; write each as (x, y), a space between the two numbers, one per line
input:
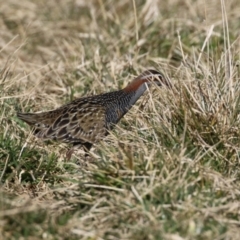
(171, 168)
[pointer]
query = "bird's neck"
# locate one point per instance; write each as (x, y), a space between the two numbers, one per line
(129, 95)
(136, 89)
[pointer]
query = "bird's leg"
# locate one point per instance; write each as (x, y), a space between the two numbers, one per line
(87, 146)
(72, 149)
(69, 153)
(87, 158)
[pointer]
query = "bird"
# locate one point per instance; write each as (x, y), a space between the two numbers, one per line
(87, 120)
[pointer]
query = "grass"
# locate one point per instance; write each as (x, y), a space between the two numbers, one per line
(170, 169)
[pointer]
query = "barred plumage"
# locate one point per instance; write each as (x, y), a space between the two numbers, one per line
(87, 120)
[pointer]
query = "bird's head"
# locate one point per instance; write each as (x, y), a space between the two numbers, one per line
(149, 76)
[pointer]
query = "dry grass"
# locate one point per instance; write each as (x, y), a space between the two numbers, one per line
(170, 169)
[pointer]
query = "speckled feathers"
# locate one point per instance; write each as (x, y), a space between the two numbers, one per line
(87, 120)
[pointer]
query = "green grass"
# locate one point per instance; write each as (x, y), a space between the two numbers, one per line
(170, 169)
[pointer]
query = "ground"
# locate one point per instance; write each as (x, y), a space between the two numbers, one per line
(170, 169)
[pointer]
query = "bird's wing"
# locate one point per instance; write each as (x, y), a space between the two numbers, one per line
(86, 124)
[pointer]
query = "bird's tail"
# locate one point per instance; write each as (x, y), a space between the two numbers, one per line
(29, 118)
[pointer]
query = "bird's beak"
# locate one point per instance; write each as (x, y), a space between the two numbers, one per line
(161, 80)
